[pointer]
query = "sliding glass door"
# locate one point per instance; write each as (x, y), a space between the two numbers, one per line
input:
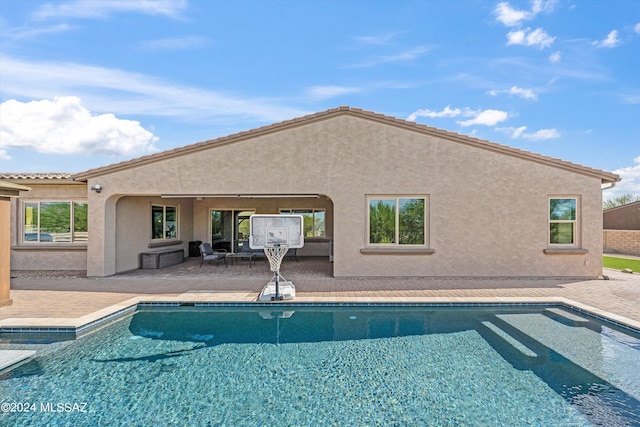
(229, 228)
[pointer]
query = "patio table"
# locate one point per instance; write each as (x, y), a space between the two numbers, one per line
(243, 255)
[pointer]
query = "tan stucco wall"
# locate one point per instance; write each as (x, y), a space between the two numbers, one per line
(55, 256)
(487, 216)
(133, 228)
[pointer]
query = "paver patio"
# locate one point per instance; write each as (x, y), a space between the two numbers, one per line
(71, 301)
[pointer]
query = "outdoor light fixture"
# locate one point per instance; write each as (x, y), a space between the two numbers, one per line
(97, 188)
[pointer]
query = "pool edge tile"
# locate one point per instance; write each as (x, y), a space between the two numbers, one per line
(100, 317)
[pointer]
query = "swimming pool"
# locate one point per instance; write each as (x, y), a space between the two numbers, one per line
(335, 365)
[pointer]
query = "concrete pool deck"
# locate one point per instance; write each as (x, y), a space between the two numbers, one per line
(63, 302)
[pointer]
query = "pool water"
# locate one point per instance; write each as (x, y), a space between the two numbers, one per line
(303, 365)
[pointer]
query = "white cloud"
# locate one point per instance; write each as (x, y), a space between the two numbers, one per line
(64, 126)
(509, 16)
(121, 92)
(446, 112)
(485, 117)
(31, 32)
(477, 117)
(516, 91)
(542, 134)
(630, 96)
(327, 92)
(610, 41)
(630, 183)
(177, 43)
(512, 17)
(407, 55)
(102, 8)
(4, 155)
(383, 39)
(555, 57)
(526, 37)
(637, 28)
(518, 132)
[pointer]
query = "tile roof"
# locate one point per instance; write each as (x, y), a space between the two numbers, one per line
(357, 112)
(35, 175)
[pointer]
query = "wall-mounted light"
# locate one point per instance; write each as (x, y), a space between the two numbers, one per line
(97, 188)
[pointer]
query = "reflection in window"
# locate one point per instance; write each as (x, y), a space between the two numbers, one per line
(80, 222)
(164, 222)
(397, 221)
(562, 221)
(49, 221)
(382, 221)
(313, 220)
(217, 225)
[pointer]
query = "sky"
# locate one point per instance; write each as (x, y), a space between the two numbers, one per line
(88, 83)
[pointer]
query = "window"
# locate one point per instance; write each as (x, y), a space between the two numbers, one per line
(55, 221)
(397, 220)
(562, 221)
(313, 220)
(164, 222)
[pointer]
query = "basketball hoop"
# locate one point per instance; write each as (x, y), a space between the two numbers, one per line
(275, 254)
(276, 234)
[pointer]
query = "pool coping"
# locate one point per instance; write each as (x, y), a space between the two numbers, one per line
(99, 318)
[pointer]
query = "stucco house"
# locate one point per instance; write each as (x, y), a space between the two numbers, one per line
(381, 197)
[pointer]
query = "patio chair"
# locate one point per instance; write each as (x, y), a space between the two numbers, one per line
(208, 254)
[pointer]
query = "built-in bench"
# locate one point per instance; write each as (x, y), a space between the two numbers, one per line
(162, 258)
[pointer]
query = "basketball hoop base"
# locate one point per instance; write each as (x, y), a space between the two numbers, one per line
(287, 291)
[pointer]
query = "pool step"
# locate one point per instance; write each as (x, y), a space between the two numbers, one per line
(566, 318)
(10, 359)
(509, 338)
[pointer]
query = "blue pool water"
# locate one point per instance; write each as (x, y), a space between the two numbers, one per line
(333, 366)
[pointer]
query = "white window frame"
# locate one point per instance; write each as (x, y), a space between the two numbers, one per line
(575, 222)
(73, 238)
(164, 223)
(396, 199)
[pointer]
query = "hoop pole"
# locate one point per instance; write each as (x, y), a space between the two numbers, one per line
(278, 276)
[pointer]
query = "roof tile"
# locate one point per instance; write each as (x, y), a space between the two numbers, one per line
(35, 175)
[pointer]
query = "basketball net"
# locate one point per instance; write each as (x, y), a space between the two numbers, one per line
(275, 254)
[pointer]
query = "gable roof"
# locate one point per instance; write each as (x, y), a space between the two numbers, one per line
(606, 177)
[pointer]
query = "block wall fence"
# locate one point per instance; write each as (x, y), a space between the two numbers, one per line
(622, 241)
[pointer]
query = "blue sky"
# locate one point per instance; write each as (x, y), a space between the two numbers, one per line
(90, 83)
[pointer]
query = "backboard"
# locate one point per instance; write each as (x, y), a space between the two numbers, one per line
(267, 230)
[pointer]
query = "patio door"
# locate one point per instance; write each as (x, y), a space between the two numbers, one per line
(229, 228)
